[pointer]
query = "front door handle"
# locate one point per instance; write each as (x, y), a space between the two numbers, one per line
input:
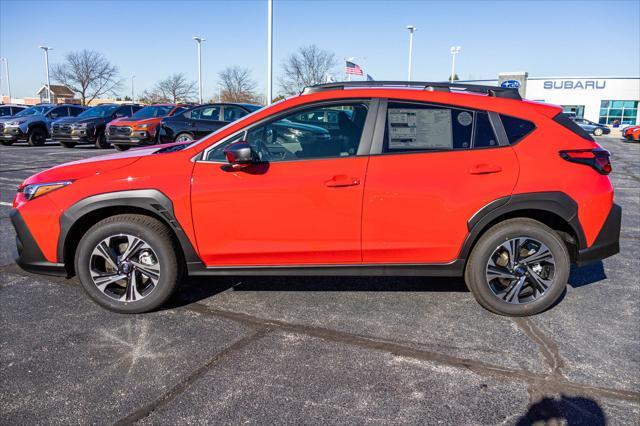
(342, 180)
(485, 169)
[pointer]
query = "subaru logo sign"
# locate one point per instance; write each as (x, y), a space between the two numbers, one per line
(510, 84)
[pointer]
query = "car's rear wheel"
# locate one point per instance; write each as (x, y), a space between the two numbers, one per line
(518, 267)
(184, 137)
(121, 147)
(37, 136)
(101, 141)
(68, 144)
(128, 263)
(6, 143)
(598, 131)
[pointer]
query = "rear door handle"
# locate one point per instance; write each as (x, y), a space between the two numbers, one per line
(485, 169)
(342, 180)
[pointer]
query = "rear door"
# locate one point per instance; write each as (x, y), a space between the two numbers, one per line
(432, 167)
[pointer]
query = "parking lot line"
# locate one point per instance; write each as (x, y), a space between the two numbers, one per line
(4, 203)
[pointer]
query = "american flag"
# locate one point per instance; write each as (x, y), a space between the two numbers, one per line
(353, 68)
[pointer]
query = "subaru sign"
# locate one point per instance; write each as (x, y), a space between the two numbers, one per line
(575, 84)
(510, 84)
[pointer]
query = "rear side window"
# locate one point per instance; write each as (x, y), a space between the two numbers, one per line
(516, 128)
(565, 121)
(415, 127)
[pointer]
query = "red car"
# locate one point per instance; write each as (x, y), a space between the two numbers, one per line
(361, 178)
(632, 133)
(142, 127)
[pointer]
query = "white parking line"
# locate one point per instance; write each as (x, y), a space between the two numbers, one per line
(4, 203)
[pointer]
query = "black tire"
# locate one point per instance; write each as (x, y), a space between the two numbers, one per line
(185, 136)
(156, 235)
(121, 147)
(598, 131)
(37, 136)
(68, 144)
(101, 141)
(6, 143)
(476, 270)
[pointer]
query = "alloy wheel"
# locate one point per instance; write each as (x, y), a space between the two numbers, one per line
(520, 270)
(124, 268)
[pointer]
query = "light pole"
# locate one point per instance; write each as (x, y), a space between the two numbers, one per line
(46, 64)
(269, 51)
(199, 40)
(6, 71)
(454, 51)
(411, 29)
(133, 99)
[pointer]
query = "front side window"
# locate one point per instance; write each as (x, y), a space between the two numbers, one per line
(285, 139)
(205, 113)
(5, 111)
(416, 127)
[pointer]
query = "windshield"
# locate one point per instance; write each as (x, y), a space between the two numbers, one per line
(99, 111)
(153, 111)
(36, 110)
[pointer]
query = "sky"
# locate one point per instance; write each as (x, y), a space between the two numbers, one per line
(153, 39)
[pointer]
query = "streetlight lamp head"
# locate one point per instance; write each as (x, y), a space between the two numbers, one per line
(411, 28)
(45, 48)
(199, 39)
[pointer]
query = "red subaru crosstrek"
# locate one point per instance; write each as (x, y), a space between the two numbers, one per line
(364, 178)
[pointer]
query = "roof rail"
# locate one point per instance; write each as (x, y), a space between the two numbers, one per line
(496, 91)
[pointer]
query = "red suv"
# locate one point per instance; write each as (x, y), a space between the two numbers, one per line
(362, 178)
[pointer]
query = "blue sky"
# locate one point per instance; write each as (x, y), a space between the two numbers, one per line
(153, 39)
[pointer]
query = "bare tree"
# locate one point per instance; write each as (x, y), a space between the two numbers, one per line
(307, 66)
(175, 88)
(237, 85)
(89, 74)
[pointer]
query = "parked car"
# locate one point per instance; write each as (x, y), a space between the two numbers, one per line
(10, 110)
(505, 192)
(141, 128)
(632, 133)
(591, 127)
(89, 127)
(202, 120)
(34, 124)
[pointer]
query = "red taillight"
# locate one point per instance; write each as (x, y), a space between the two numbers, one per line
(597, 158)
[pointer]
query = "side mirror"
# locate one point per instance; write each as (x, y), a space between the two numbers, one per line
(240, 154)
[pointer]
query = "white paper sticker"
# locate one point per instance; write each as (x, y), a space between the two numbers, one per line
(420, 129)
(464, 118)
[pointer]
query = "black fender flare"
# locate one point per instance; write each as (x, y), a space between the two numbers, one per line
(38, 124)
(150, 200)
(554, 202)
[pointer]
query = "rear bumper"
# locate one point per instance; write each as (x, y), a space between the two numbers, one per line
(30, 257)
(607, 242)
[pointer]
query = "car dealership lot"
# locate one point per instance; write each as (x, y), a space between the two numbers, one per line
(320, 350)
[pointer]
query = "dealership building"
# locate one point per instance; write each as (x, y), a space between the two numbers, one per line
(605, 100)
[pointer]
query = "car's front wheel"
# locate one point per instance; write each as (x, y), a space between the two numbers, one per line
(37, 136)
(101, 141)
(128, 263)
(6, 142)
(121, 147)
(518, 267)
(68, 144)
(598, 131)
(184, 137)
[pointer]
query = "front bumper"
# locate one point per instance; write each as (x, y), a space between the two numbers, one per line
(30, 257)
(12, 134)
(607, 242)
(87, 135)
(135, 138)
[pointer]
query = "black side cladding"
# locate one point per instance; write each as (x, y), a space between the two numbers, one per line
(565, 121)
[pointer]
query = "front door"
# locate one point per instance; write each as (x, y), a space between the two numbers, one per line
(300, 205)
(436, 167)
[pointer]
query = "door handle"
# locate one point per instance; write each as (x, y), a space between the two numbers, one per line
(342, 180)
(485, 169)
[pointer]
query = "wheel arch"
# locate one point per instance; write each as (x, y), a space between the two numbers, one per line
(555, 209)
(81, 216)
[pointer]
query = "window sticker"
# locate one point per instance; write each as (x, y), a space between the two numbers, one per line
(464, 118)
(420, 129)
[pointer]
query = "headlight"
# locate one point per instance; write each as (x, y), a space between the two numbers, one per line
(37, 189)
(14, 123)
(82, 125)
(143, 126)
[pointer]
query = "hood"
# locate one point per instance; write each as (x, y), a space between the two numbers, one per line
(91, 166)
(94, 120)
(65, 120)
(25, 119)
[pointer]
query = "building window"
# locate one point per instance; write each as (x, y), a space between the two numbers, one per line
(621, 112)
(577, 110)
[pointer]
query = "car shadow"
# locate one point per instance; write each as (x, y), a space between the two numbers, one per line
(587, 274)
(565, 410)
(194, 289)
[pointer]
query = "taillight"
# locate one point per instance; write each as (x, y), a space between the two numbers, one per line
(597, 158)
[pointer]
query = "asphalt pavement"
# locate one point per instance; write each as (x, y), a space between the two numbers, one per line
(325, 350)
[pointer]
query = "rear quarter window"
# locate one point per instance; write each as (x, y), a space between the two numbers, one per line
(567, 122)
(516, 128)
